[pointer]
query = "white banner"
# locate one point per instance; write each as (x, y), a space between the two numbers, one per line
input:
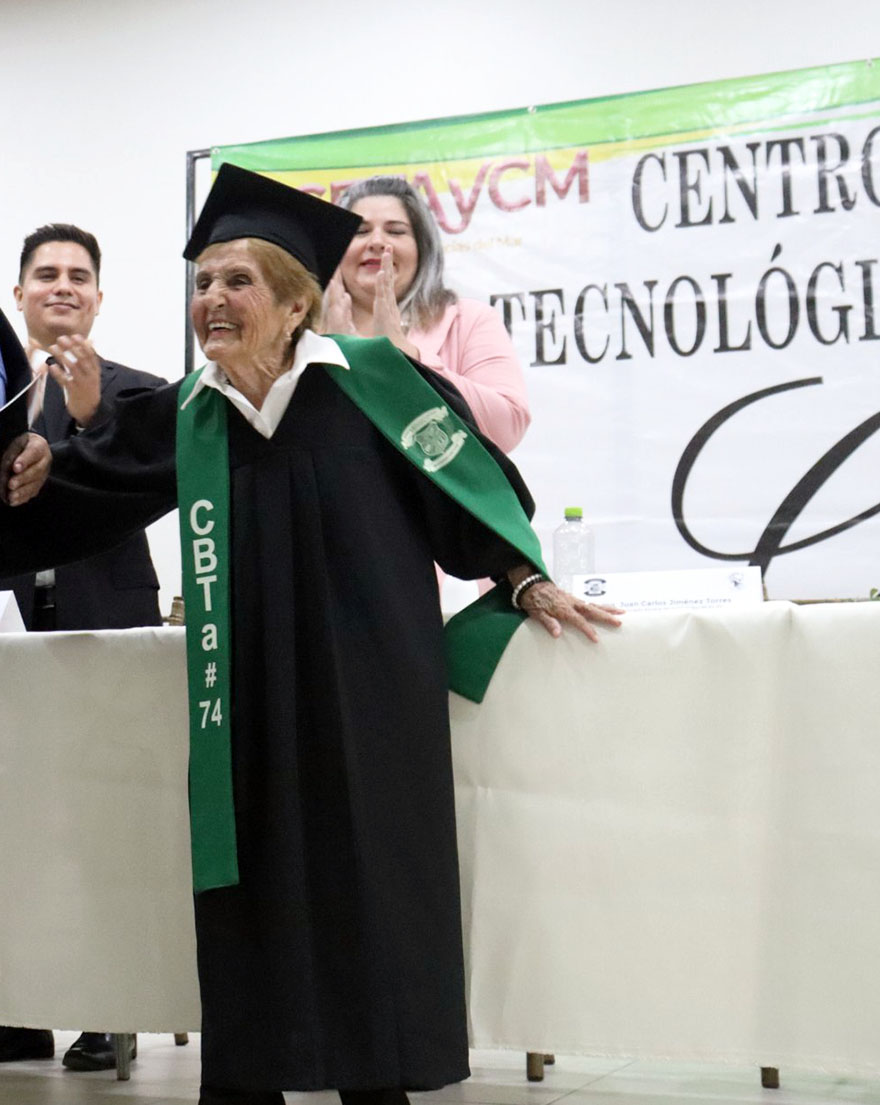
(691, 280)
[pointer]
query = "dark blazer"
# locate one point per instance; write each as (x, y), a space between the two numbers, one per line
(113, 590)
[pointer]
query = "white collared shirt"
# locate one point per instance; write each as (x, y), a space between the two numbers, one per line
(311, 348)
(39, 372)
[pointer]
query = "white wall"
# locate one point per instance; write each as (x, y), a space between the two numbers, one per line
(101, 99)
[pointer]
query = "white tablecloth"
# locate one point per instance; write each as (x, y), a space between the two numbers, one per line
(670, 842)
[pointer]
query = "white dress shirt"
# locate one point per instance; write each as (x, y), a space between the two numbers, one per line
(311, 348)
(39, 372)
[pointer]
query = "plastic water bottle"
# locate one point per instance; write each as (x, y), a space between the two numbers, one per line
(573, 548)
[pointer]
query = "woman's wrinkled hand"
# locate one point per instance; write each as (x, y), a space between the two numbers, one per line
(553, 608)
(336, 314)
(24, 468)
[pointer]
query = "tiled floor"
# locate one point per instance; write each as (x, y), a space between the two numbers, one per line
(165, 1074)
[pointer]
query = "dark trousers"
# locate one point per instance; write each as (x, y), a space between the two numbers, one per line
(43, 620)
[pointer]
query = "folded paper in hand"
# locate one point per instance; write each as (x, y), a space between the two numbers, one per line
(14, 417)
(10, 615)
(14, 414)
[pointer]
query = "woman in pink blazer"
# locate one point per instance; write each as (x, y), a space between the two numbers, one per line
(390, 283)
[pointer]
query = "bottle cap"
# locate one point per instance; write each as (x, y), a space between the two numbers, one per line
(572, 512)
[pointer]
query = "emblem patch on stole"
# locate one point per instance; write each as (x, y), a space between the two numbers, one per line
(432, 433)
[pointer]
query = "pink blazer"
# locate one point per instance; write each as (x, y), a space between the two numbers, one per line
(470, 346)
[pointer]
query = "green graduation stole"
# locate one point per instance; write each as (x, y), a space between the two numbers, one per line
(203, 499)
(413, 417)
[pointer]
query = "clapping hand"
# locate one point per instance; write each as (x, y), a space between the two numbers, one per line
(386, 314)
(336, 317)
(75, 366)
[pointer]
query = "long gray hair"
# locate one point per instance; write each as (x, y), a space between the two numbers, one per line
(426, 298)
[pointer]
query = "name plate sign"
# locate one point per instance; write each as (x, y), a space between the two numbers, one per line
(692, 589)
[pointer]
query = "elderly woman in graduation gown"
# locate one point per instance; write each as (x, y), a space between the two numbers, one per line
(327, 911)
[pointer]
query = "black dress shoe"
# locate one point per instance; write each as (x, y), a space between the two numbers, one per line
(394, 1096)
(94, 1051)
(25, 1043)
(209, 1096)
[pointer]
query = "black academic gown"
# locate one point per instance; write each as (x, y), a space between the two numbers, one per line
(113, 589)
(337, 962)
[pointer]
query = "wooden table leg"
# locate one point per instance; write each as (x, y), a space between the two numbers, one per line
(122, 1043)
(535, 1066)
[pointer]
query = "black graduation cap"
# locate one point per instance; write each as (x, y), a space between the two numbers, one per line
(242, 204)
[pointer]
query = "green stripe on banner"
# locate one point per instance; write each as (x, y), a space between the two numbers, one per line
(680, 109)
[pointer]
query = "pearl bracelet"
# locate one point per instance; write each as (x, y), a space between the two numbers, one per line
(522, 587)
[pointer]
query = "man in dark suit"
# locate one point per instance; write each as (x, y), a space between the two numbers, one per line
(58, 294)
